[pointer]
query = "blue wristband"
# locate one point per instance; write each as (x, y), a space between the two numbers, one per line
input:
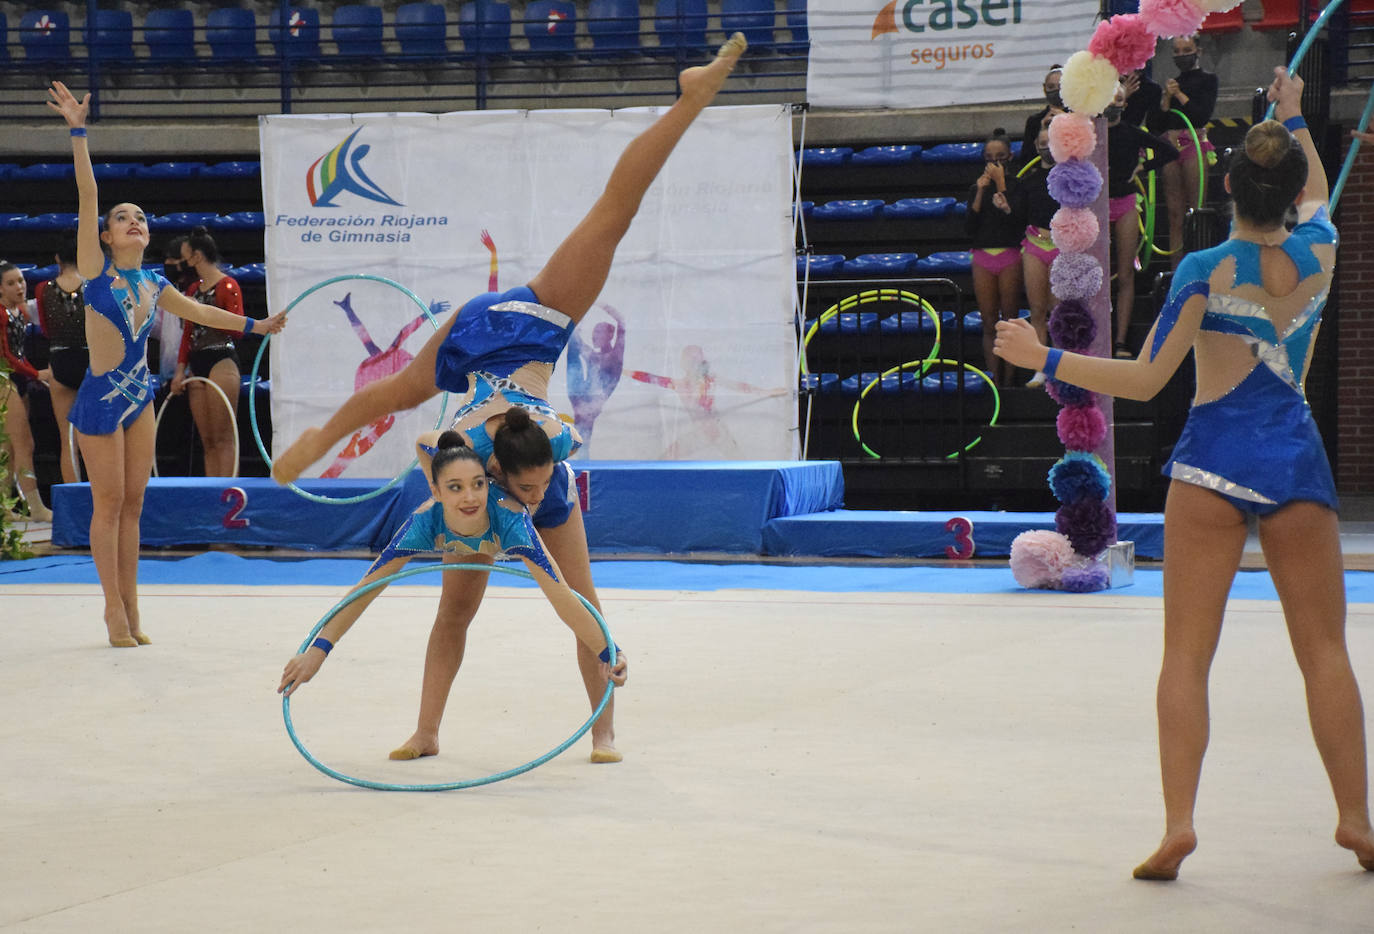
(323, 644)
(1294, 124)
(78, 131)
(605, 655)
(1051, 362)
(247, 326)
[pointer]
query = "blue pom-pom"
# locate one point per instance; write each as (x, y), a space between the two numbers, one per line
(1080, 475)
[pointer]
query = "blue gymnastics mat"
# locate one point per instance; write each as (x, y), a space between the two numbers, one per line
(218, 568)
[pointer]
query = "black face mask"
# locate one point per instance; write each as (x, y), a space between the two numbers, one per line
(178, 273)
(1186, 62)
(1054, 100)
(1112, 112)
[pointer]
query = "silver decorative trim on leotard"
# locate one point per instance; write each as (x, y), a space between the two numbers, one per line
(1205, 478)
(1273, 355)
(556, 318)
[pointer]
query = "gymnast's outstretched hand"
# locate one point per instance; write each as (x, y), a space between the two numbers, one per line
(1362, 137)
(300, 669)
(270, 325)
(1018, 344)
(619, 673)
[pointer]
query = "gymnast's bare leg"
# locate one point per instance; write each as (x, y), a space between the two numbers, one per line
(570, 281)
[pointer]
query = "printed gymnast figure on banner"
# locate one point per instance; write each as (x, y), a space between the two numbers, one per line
(594, 372)
(500, 348)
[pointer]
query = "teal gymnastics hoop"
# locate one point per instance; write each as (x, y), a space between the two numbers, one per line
(463, 783)
(253, 388)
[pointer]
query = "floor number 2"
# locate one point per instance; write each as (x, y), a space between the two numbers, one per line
(238, 500)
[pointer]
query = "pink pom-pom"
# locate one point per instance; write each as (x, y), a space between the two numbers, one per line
(1088, 83)
(1039, 557)
(1074, 230)
(1170, 18)
(1081, 427)
(1072, 137)
(1124, 41)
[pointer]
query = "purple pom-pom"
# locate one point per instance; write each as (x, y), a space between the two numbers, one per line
(1079, 475)
(1090, 525)
(1068, 394)
(1075, 276)
(1081, 427)
(1075, 184)
(1084, 578)
(1072, 326)
(1038, 558)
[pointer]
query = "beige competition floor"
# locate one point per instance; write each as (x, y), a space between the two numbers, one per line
(794, 762)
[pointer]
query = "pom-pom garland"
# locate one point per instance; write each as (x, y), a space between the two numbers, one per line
(1072, 326)
(1089, 525)
(1124, 41)
(1075, 276)
(1074, 230)
(1038, 558)
(1075, 184)
(1079, 475)
(1089, 82)
(1081, 427)
(1171, 18)
(1072, 137)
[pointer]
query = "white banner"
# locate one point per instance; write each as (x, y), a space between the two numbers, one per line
(689, 352)
(934, 53)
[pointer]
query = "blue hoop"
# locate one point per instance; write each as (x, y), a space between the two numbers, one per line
(253, 388)
(465, 783)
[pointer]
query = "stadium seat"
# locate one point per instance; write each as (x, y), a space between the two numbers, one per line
(852, 385)
(169, 170)
(887, 155)
(240, 220)
(43, 172)
(820, 382)
(45, 36)
(104, 170)
(1278, 15)
(947, 322)
(1220, 22)
(10, 220)
(484, 26)
(796, 20)
(170, 35)
(973, 322)
(183, 220)
(41, 273)
(232, 34)
(250, 273)
(920, 208)
(421, 29)
(680, 23)
(299, 36)
(826, 155)
(55, 221)
(806, 208)
(110, 36)
(947, 382)
(613, 25)
(908, 321)
(848, 210)
(357, 30)
(882, 264)
(953, 152)
(821, 264)
(945, 262)
(754, 18)
(850, 323)
(6, 168)
(551, 25)
(232, 170)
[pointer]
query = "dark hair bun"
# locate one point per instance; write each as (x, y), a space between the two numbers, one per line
(999, 133)
(199, 231)
(451, 439)
(518, 419)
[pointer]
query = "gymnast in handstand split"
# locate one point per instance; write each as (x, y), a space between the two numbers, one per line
(471, 521)
(501, 348)
(1249, 310)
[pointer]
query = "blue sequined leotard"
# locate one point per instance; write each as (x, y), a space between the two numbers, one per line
(113, 399)
(1257, 444)
(508, 533)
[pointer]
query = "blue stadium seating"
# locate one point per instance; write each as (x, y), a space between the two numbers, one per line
(40, 273)
(6, 168)
(170, 35)
(55, 221)
(826, 155)
(484, 26)
(851, 323)
(110, 36)
(754, 18)
(806, 207)
(820, 382)
(947, 322)
(43, 172)
(945, 262)
(920, 208)
(232, 170)
(848, 210)
(4, 38)
(421, 29)
(821, 264)
(887, 155)
(240, 220)
(182, 220)
(9, 219)
(613, 25)
(953, 152)
(796, 20)
(45, 36)
(680, 23)
(104, 170)
(947, 382)
(357, 30)
(882, 264)
(169, 170)
(851, 385)
(551, 25)
(910, 321)
(299, 35)
(232, 34)
(250, 273)
(973, 322)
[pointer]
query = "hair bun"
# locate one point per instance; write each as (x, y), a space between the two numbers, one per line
(451, 439)
(1267, 143)
(518, 419)
(199, 231)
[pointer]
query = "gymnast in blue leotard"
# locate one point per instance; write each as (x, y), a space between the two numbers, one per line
(468, 521)
(114, 426)
(1249, 310)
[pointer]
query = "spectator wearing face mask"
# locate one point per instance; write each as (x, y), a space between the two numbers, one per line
(167, 327)
(1053, 102)
(1194, 94)
(1142, 98)
(1031, 199)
